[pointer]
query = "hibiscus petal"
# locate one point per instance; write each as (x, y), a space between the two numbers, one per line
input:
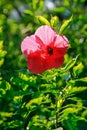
(29, 45)
(59, 51)
(36, 64)
(54, 62)
(61, 42)
(45, 34)
(59, 62)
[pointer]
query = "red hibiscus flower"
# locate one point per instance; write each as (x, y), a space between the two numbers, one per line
(44, 50)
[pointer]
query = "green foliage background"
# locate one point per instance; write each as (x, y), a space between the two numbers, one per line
(57, 97)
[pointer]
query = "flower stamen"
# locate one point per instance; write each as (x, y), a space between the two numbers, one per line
(50, 50)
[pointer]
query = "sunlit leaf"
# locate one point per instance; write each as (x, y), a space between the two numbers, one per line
(65, 24)
(4, 87)
(6, 114)
(82, 79)
(70, 64)
(34, 101)
(54, 22)
(78, 69)
(75, 90)
(2, 54)
(1, 44)
(43, 20)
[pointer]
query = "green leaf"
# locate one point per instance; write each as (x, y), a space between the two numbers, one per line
(34, 101)
(4, 87)
(84, 114)
(70, 64)
(75, 90)
(59, 10)
(54, 21)
(28, 12)
(1, 44)
(43, 20)
(82, 79)
(78, 69)
(1, 62)
(71, 122)
(6, 114)
(37, 4)
(2, 54)
(65, 25)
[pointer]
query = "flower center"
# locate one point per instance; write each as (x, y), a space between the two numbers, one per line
(50, 50)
